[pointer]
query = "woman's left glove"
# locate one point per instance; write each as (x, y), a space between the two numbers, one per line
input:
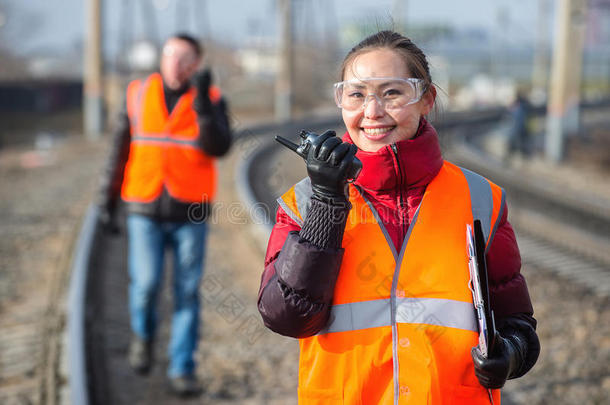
(504, 363)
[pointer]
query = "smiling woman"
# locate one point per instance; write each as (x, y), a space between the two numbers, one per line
(372, 274)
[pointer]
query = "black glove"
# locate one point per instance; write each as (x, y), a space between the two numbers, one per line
(107, 219)
(328, 161)
(504, 363)
(202, 104)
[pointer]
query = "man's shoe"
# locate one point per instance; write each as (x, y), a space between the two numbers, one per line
(185, 386)
(140, 355)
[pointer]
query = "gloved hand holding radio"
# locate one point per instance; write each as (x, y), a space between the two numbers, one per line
(329, 161)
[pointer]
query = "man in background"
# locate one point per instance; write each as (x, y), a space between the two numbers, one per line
(162, 165)
(519, 137)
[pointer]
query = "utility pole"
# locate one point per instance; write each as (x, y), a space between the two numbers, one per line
(399, 8)
(502, 45)
(541, 55)
(93, 103)
(201, 22)
(330, 26)
(283, 81)
(563, 112)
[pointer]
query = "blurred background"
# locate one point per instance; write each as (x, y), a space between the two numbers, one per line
(64, 66)
(481, 52)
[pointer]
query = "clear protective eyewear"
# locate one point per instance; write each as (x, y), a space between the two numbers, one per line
(392, 93)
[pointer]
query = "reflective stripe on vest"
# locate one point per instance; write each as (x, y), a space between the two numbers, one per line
(481, 196)
(405, 319)
(301, 193)
(135, 91)
(429, 311)
(162, 139)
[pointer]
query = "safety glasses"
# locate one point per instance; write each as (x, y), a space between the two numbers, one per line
(391, 93)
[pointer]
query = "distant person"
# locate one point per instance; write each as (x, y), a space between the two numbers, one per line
(162, 164)
(372, 276)
(519, 133)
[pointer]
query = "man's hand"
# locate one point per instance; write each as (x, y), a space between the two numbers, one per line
(202, 81)
(107, 220)
(328, 161)
(502, 364)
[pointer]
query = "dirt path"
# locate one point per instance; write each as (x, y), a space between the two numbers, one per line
(241, 362)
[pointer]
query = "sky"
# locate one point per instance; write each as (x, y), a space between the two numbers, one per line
(47, 26)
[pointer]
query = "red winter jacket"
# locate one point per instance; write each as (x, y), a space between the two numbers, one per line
(394, 179)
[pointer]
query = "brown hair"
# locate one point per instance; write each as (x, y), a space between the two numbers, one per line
(413, 57)
(197, 48)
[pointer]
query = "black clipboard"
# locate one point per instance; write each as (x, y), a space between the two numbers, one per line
(479, 245)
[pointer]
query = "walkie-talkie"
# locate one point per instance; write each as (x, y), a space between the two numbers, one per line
(303, 148)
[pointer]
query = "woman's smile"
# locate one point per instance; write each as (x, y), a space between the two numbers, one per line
(378, 132)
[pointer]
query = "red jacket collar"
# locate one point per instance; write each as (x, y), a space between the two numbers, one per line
(406, 164)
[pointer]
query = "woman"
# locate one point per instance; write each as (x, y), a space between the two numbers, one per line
(373, 280)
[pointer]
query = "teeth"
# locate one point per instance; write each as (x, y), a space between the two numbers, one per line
(376, 131)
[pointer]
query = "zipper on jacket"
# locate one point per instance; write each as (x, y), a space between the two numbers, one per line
(402, 206)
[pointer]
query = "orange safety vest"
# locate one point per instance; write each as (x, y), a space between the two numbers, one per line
(163, 150)
(402, 324)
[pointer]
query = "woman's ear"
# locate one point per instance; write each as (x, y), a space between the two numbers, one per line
(428, 99)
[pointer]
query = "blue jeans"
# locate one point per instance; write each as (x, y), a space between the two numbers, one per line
(147, 241)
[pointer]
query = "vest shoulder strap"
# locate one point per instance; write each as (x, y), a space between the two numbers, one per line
(296, 201)
(487, 201)
(133, 93)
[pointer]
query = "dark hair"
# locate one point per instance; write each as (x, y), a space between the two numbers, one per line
(192, 42)
(413, 56)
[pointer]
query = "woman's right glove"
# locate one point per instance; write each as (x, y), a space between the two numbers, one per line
(504, 363)
(328, 162)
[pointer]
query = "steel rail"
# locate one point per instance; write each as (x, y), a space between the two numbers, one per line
(76, 311)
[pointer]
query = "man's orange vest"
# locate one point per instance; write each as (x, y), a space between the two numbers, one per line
(402, 323)
(163, 150)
